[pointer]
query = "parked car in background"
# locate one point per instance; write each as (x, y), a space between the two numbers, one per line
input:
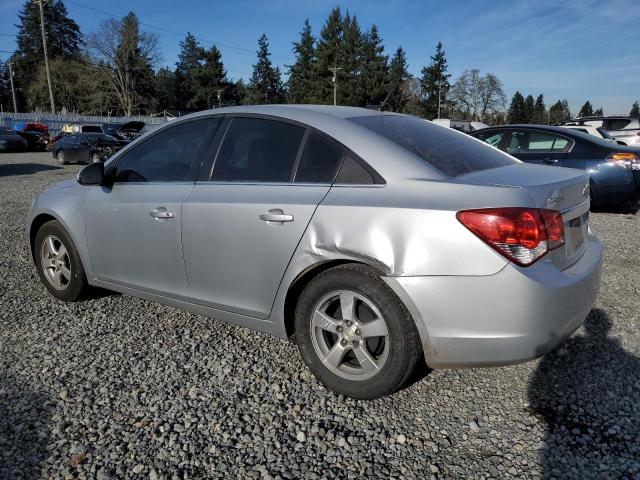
(11, 141)
(614, 169)
(85, 147)
(623, 129)
(126, 131)
(598, 132)
(81, 128)
(36, 140)
(460, 125)
(354, 231)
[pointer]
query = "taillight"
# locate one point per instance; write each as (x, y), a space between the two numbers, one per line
(523, 235)
(624, 160)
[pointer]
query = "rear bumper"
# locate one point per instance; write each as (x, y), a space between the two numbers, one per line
(513, 316)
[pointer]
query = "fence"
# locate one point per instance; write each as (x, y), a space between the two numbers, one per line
(57, 120)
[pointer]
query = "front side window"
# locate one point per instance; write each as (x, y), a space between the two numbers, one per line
(258, 150)
(172, 155)
(320, 160)
(445, 149)
(537, 142)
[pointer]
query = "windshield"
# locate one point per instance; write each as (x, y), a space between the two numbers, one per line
(449, 151)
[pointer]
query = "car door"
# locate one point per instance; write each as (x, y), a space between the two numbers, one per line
(538, 146)
(70, 147)
(133, 227)
(83, 152)
(241, 227)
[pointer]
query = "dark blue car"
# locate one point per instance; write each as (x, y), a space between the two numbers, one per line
(614, 169)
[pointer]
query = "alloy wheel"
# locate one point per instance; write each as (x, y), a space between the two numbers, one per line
(349, 335)
(55, 262)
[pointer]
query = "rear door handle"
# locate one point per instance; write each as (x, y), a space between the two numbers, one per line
(161, 213)
(551, 160)
(276, 215)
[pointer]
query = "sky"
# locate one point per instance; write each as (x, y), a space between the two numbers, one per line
(574, 49)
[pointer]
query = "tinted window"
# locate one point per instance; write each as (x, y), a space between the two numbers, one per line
(258, 150)
(493, 138)
(583, 130)
(92, 128)
(170, 156)
(616, 124)
(533, 142)
(443, 148)
(354, 173)
(320, 160)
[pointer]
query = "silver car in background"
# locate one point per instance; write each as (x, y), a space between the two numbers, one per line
(375, 240)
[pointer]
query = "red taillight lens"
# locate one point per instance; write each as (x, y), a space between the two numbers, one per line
(624, 160)
(523, 235)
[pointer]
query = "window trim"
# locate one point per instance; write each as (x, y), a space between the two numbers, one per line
(228, 117)
(204, 149)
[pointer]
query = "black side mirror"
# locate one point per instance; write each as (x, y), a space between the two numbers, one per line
(92, 174)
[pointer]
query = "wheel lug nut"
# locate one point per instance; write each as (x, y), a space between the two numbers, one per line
(348, 323)
(339, 328)
(355, 344)
(358, 332)
(343, 342)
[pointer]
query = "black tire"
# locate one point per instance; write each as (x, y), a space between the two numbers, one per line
(405, 349)
(76, 285)
(62, 159)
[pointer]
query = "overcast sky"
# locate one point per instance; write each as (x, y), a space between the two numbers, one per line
(573, 49)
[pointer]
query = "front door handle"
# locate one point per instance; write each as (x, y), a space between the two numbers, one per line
(161, 213)
(276, 216)
(551, 160)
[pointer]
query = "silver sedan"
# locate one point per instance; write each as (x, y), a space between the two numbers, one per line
(377, 241)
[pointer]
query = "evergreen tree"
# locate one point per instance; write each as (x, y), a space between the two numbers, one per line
(599, 111)
(397, 98)
(529, 107)
(559, 112)
(265, 85)
(517, 112)
(329, 54)
(63, 41)
(539, 111)
(301, 73)
(187, 73)
(586, 110)
(5, 89)
(434, 83)
(375, 70)
(237, 93)
(349, 78)
(166, 89)
(212, 78)
(635, 110)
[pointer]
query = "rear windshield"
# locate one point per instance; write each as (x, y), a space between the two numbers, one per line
(449, 151)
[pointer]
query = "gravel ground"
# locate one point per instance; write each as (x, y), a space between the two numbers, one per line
(117, 387)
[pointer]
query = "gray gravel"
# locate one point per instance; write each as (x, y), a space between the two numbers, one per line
(117, 387)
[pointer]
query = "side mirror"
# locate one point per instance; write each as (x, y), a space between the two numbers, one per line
(92, 174)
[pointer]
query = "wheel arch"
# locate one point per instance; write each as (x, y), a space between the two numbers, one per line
(36, 224)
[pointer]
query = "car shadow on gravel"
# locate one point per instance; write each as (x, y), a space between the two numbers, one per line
(24, 429)
(588, 393)
(625, 209)
(12, 169)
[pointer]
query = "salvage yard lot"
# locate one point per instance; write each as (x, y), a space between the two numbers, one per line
(120, 387)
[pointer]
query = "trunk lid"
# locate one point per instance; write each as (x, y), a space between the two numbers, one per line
(563, 189)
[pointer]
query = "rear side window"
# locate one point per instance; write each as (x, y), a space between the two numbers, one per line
(616, 124)
(449, 151)
(355, 172)
(320, 160)
(258, 150)
(493, 138)
(172, 155)
(535, 142)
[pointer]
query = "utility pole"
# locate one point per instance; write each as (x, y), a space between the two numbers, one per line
(13, 92)
(334, 70)
(439, 95)
(46, 56)
(219, 97)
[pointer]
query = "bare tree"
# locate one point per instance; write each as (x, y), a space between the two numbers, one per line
(481, 94)
(128, 55)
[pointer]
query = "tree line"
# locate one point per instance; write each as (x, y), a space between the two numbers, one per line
(116, 69)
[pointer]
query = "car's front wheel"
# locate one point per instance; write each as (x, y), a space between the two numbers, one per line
(62, 159)
(58, 262)
(355, 334)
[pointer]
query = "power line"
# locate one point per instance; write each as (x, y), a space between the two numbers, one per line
(176, 33)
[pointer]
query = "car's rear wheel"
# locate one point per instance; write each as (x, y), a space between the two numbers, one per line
(62, 159)
(58, 263)
(355, 334)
